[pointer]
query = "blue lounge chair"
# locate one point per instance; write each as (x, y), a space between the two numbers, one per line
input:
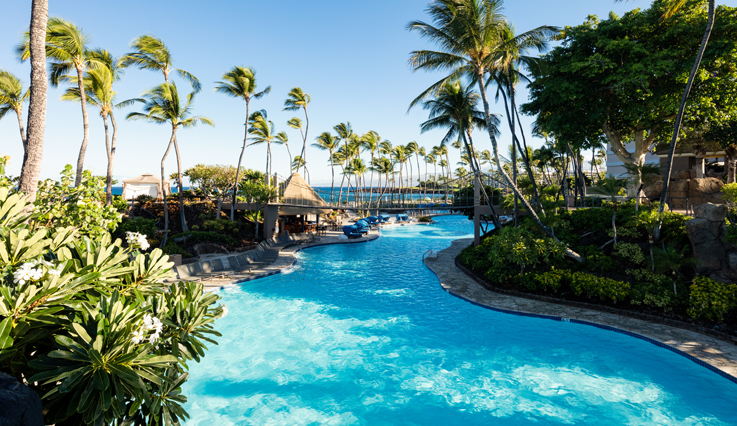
(373, 220)
(384, 218)
(351, 231)
(401, 217)
(363, 226)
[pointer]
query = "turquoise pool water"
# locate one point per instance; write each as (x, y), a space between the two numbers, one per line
(363, 334)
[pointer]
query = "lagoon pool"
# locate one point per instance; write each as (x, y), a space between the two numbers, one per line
(363, 334)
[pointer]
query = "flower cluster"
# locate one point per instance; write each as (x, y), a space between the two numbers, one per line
(34, 270)
(149, 323)
(136, 240)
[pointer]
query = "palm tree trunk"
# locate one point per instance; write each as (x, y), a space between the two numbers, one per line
(238, 170)
(425, 185)
(113, 148)
(19, 114)
(109, 174)
(304, 141)
(332, 173)
(163, 187)
(492, 137)
(181, 187)
(371, 183)
(679, 117)
(290, 160)
(86, 125)
(33, 155)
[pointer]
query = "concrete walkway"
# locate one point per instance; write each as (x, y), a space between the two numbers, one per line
(720, 355)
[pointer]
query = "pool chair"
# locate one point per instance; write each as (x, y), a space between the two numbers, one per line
(373, 220)
(363, 226)
(368, 222)
(401, 217)
(183, 274)
(384, 218)
(351, 231)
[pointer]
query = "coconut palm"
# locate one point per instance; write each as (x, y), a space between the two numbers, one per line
(164, 106)
(150, 53)
(34, 141)
(296, 100)
(12, 97)
(328, 142)
(346, 135)
(240, 82)
(99, 91)
(66, 48)
(262, 130)
(370, 141)
(469, 32)
(422, 153)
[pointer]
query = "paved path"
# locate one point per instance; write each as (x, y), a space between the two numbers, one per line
(715, 352)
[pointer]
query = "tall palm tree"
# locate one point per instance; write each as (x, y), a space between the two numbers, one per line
(469, 32)
(328, 142)
(370, 141)
(12, 97)
(99, 91)
(423, 153)
(400, 154)
(296, 100)
(345, 134)
(164, 106)
(240, 82)
(66, 47)
(31, 170)
(411, 149)
(263, 132)
(150, 53)
(386, 148)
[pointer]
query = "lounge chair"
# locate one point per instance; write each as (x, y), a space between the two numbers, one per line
(352, 231)
(215, 269)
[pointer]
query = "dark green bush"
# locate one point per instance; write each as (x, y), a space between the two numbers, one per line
(592, 219)
(711, 299)
(143, 226)
(629, 252)
(597, 260)
(173, 248)
(601, 287)
(196, 237)
(550, 280)
(424, 219)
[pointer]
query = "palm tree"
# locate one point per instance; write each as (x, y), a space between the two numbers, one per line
(370, 141)
(422, 152)
(240, 82)
(328, 142)
(164, 106)
(263, 132)
(152, 54)
(296, 100)
(99, 91)
(66, 47)
(345, 134)
(469, 32)
(12, 97)
(36, 127)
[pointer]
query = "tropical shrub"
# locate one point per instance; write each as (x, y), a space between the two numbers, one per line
(88, 324)
(601, 287)
(512, 250)
(119, 203)
(60, 204)
(597, 260)
(592, 219)
(173, 248)
(711, 299)
(140, 225)
(553, 280)
(195, 237)
(424, 219)
(629, 252)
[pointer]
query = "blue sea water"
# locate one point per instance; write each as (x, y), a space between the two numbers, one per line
(363, 334)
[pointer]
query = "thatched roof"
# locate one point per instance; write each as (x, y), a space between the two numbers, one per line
(298, 193)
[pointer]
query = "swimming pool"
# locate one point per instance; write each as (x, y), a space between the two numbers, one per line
(363, 334)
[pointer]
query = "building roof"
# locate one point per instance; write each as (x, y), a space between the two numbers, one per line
(300, 198)
(145, 178)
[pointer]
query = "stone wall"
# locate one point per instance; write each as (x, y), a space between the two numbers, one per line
(717, 258)
(19, 405)
(693, 191)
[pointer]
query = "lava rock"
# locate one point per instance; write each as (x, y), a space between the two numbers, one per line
(19, 405)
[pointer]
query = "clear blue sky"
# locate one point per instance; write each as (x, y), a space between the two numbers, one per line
(350, 56)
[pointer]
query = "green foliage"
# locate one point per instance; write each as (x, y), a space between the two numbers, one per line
(711, 299)
(476, 258)
(173, 248)
(655, 290)
(629, 252)
(597, 260)
(119, 203)
(730, 198)
(90, 325)
(601, 287)
(61, 204)
(553, 280)
(144, 198)
(196, 237)
(424, 219)
(218, 226)
(592, 219)
(143, 226)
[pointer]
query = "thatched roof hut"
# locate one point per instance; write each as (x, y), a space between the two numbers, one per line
(300, 198)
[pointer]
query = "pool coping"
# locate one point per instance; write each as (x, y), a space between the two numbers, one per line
(710, 352)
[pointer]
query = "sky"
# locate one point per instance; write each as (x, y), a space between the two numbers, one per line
(349, 56)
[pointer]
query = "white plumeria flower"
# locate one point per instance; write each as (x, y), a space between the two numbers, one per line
(138, 337)
(153, 338)
(137, 240)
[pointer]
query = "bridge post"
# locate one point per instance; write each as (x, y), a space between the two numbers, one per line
(476, 213)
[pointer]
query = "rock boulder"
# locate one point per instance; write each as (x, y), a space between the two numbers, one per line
(19, 405)
(706, 231)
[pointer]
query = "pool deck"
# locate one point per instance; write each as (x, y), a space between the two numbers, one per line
(718, 353)
(286, 258)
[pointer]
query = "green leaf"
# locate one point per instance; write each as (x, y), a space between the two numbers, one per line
(5, 326)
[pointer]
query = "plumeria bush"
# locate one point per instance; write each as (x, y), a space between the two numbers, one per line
(90, 324)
